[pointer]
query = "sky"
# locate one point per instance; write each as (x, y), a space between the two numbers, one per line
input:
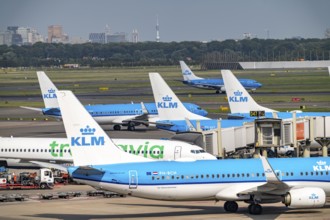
(179, 20)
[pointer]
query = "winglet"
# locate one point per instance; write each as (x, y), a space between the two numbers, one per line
(89, 144)
(190, 125)
(187, 73)
(168, 104)
(48, 90)
(239, 99)
(271, 177)
(144, 109)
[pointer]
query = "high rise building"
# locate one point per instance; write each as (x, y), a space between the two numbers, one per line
(135, 36)
(117, 37)
(56, 35)
(97, 38)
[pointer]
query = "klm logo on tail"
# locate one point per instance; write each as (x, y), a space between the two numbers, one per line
(50, 95)
(87, 138)
(167, 103)
(186, 73)
(238, 97)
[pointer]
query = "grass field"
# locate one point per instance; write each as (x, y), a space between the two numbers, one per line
(311, 85)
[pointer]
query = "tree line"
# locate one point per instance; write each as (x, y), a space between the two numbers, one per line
(161, 53)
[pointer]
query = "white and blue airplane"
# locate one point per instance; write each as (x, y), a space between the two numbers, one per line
(98, 162)
(129, 115)
(28, 152)
(241, 102)
(173, 115)
(217, 84)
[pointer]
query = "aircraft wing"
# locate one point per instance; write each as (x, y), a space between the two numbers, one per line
(31, 108)
(143, 118)
(208, 85)
(50, 165)
(273, 186)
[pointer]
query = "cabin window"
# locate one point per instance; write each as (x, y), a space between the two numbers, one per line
(306, 173)
(312, 173)
(41, 150)
(172, 177)
(228, 175)
(21, 150)
(187, 177)
(163, 177)
(168, 177)
(242, 174)
(29, 150)
(207, 176)
(233, 175)
(24, 150)
(153, 178)
(196, 176)
(301, 173)
(223, 175)
(321, 173)
(238, 175)
(202, 176)
(192, 177)
(257, 174)
(182, 176)
(316, 173)
(247, 175)
(9, 150)
(218, 175)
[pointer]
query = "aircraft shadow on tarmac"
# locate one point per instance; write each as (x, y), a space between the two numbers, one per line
(269, 212)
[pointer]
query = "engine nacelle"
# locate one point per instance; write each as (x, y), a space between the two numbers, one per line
(307, 197)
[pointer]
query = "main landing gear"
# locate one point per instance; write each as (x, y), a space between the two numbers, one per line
(232, 206)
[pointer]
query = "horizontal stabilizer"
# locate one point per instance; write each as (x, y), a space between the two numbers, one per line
(32, 108)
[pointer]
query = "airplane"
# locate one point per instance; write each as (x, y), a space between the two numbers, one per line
(217, 84)
(129, 115)
(18, 152)
(173, 115)
(242, 104)
(98, 162)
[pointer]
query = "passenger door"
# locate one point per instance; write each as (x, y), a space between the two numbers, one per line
(133, 179)
(177, 152)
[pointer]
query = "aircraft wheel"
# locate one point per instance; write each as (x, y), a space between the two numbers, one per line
(255, 209)
(230, 206)
(131, 128)
(116, 127)
(217, 92)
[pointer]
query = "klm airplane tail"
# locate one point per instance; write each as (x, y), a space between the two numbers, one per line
(187, 73)
(89, 144)
(239, 99)
(48, 90)
(168, 104)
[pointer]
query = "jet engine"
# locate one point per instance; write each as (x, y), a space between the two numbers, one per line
(307, 197)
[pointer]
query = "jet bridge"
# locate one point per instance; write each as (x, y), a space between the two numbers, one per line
(281, 136)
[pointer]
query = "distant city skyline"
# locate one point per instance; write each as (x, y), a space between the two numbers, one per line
(183, 20)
